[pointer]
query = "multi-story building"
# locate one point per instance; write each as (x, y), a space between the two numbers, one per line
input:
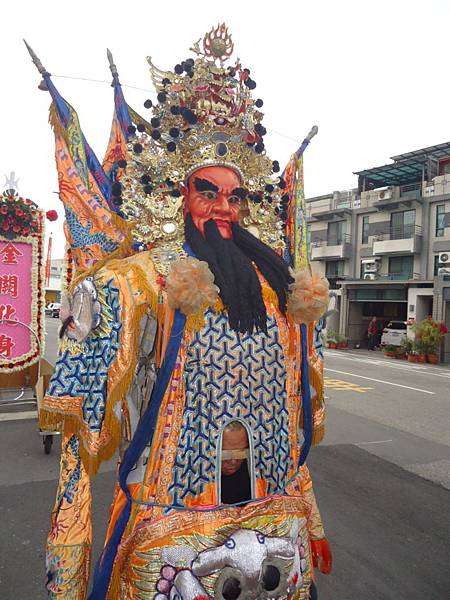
(53, 285)
(385, 245)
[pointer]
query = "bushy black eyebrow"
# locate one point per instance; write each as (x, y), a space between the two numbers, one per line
(203, 185)
(239, 192)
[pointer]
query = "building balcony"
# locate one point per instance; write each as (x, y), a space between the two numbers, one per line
(399, 196)
(399, 240)
(398, 276)
(329, 209)
(332, 248)
(386, 277)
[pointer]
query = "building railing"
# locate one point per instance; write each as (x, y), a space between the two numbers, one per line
(333, 240)
(412, 190)
(397, 276)
(404, 232)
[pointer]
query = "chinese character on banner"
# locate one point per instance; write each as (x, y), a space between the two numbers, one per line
(22, 292)
(7, 312)
(6, 346)
(10, 254)
(9, 285)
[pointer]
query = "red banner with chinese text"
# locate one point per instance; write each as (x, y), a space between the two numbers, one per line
(21, 284)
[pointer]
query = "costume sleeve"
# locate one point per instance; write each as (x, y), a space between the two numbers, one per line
(84, 400)
(70, 537)
(96, 366)
(315, 526)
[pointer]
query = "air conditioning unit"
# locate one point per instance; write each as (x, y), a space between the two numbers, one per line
(444, 271)
(385, 195)
(444, 258)
(370, 276)
(371, 265)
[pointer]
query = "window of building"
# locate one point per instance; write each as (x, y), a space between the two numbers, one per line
(334, 268)
(403, 224)
(401, 267)
(336, 233)
(365, 230)
(440, 220)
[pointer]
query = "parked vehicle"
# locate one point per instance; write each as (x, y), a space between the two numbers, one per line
(52, 309)
(394, 333)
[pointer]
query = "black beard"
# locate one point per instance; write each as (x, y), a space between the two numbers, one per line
(231, 264)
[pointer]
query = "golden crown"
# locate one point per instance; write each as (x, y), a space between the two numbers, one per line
(205, 115)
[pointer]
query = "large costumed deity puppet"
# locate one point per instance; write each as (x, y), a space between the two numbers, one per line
(190, 342)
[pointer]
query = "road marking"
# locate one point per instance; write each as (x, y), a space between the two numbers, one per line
(393, 364)
(367, 443)
(337, 384)
(407, 387)
(18, 416)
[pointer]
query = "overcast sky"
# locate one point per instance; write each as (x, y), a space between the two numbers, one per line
(374, 76)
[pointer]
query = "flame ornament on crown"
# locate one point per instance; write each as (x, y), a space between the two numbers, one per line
(205, 115)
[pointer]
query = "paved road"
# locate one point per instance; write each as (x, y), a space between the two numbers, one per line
(381, 479)
(394, 409)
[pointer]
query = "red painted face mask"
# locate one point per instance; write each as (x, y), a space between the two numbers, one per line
(213, 193)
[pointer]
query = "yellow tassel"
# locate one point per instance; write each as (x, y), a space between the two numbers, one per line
(269, 295)
(318, 407)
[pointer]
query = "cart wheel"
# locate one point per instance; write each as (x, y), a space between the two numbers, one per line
(48, 441)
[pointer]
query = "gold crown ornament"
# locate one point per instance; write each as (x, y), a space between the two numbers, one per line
(205, 115)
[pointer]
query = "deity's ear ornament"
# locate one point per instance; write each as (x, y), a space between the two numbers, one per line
(308, 297)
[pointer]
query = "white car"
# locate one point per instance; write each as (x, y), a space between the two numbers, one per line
(394, 333)
(52, 309)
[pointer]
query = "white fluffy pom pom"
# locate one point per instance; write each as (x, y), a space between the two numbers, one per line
(308, 298)
(190, 286)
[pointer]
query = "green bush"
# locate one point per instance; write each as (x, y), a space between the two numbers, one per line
(407, 345)
(332, 336)
(429, 334)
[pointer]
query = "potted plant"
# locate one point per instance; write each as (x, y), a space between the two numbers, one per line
(400, 352)
(342, 341)
(407, 346)
(331, 339)
(429, 335)
(390, 351)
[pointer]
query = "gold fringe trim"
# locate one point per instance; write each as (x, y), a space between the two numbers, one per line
(114, 585)
(269, 296)
(116, 395)
(318, 411)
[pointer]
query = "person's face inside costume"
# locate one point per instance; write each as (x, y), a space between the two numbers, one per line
(234, 448)
(214, 193)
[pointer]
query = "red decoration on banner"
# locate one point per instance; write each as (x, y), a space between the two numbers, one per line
(10, 254)
(6, 345)
(51, 215)
(7, 313)
(9, 285)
